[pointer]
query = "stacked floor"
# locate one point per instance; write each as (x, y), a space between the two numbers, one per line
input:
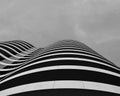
(66, 67)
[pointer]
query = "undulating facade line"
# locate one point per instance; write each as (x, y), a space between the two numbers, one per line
(66, 67)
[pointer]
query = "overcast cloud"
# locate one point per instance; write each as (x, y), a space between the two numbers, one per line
(41, 22)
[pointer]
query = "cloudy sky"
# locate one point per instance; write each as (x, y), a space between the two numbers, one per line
(42, 22)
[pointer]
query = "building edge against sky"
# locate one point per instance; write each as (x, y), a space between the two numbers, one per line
(66, 67)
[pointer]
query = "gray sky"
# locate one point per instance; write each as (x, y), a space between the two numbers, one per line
(41, 22)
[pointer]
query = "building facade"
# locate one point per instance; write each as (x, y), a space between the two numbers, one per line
(67, 67)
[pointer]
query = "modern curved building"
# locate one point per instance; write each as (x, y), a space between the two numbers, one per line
(64, 68)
